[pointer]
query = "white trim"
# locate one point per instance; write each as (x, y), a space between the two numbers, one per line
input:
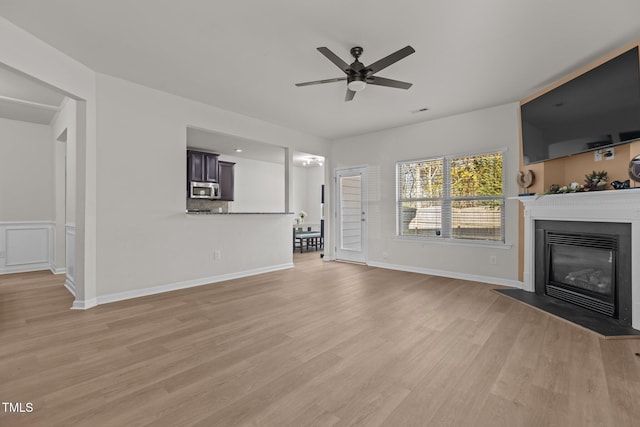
(360, 256)
(346, 168)
(502, 149)
(20, 224)
(105, 299)
(70, 257)
(460, 242)
(71, 286)
(47, 230)
(70, 254)
(25, 268)
(450, 274)
(84, 304)
(61, 108)
(57, 270)
(36, 263)
(32, 104)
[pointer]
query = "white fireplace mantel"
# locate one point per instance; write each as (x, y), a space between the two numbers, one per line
(621, 206)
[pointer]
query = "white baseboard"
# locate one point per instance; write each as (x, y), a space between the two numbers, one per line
(24, 268)
(33, 267)
(450, 274)
(105, 299)
(57, 270)
(84, 304)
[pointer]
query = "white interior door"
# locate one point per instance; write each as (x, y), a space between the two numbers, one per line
(351, 214)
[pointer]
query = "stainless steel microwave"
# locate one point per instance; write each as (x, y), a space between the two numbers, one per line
(204, 190)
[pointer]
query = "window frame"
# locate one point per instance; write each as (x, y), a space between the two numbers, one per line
(446, 201)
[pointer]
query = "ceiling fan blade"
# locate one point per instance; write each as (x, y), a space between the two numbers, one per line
(317, 82)
(390, 59)
(350, 94)
(381, 81)
(334, 58)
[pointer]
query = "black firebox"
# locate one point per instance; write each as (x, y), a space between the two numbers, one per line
(587, 264)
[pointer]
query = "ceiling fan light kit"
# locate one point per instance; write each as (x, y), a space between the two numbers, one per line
(358, 76)
(357, 84)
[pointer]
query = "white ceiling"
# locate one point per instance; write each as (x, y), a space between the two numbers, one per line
(246, 56)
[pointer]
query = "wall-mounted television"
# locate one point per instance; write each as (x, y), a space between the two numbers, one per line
(597, 109)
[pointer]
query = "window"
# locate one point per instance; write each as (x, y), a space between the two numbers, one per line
(452, 197)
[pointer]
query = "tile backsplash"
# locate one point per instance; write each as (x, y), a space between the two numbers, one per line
(212, 205)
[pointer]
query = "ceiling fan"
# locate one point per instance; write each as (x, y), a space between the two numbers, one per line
(358, 75)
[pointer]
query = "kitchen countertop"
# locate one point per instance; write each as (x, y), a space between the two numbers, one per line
(205, 212)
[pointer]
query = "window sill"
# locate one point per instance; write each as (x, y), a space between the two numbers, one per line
(454, 242)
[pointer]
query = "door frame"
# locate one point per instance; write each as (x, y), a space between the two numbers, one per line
(362, 171)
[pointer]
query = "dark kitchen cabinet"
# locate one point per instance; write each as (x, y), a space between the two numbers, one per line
(195, 166)
(211, 168)
(202, 166)
(226, 177)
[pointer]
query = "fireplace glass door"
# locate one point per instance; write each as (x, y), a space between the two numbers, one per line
(588, 269)
(581, 269)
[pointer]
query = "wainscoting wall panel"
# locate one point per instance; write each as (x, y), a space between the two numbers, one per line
(26, 246)
(70, 247)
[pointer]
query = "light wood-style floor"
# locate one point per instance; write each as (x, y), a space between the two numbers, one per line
(323, 344)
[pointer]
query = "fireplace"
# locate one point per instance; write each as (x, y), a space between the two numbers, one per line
(591, 212)
(585, 263)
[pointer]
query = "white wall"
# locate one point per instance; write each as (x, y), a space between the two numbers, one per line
(27, 197)
(307, 183)
(146, 241)
(26, 171)
(315, 180)
(258, 185)
(299, 196)
(491, 128)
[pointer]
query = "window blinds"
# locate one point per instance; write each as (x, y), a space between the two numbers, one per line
(451, 197)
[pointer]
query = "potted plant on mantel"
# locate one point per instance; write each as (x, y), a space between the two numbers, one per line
(596, 181)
